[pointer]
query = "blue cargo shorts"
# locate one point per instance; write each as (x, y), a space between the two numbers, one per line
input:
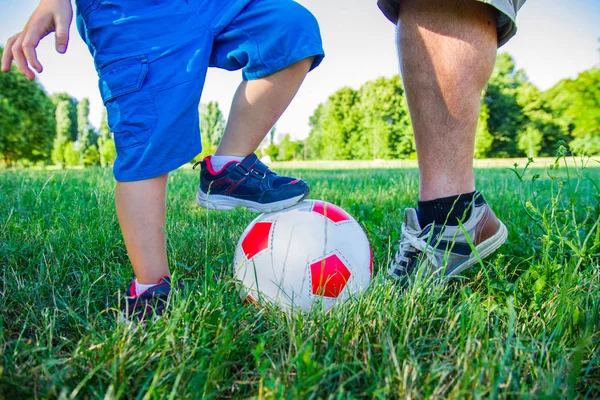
(152, 58)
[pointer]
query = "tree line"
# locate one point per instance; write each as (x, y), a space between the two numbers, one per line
(516, 118)
(373, 122)
(55, 129)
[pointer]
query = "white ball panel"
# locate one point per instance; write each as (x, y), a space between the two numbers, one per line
(301, 237)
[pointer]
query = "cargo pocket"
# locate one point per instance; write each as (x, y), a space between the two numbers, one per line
(131, 110)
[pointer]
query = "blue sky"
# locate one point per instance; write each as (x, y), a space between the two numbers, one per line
(557, 39)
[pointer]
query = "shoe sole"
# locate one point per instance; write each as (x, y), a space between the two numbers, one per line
(484, 250)
(226, 203)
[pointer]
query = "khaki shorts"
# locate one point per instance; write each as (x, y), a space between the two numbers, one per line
(507, 17)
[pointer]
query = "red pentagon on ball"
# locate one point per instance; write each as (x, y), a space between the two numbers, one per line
(257, 239)
(332, 212)
(329, 276)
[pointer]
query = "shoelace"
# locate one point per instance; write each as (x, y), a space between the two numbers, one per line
(410, 242)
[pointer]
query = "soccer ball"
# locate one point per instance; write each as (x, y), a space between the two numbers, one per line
(312, 255)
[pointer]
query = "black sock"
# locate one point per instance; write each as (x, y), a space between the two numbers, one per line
(447, 210)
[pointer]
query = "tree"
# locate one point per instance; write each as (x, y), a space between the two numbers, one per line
(272, 151)
(104, 133)
(106, 145)
(505, 113)
(575, 105)
(530, 141)
(57, 98)
(267, 140)
(339, 124)
(386, 127)
(72, 156)
(290, 149)
(539, 133)
(370, 123)
(91, 156)
(27, 124)
(108, 152)
(521, 120)
(483, 137)
(84, 131)
(63, 131)
(314, 141)
(515, 119)
(212, 126)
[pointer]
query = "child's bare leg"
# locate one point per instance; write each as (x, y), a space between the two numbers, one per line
(141, 212)
(257, 105)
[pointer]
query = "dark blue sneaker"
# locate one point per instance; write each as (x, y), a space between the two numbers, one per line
(149, 304)
(248, 184)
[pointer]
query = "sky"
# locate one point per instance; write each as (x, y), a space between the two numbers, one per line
(557, 39)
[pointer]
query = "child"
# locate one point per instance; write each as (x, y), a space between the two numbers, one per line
(152, 58)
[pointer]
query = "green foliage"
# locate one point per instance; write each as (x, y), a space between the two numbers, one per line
(63, 121)
(106, 146)
(515, 120)
(272, 151)
(290, 149)
(27, 124)
(85, 132)
(314, 141)
(386, 128)
(212, 126)
(91, 156)
(58, 151)
(371, 123)
(72, 156)
(104, 133)
(340, 125)
(588, 143)
(539, 129)
(108, 152)
(530, 141)
(575, 104)
(63, 132)
(505, 113)
(71, 111)
(483, 137)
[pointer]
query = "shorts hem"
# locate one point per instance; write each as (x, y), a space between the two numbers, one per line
(282, 63)
(505, 31)
(154, 172)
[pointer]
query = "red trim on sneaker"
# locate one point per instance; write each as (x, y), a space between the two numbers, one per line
(209, 167)
(293, 182)
(133, 290)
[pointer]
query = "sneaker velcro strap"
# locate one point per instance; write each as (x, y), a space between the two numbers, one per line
(238, 172)
(249, 162)
(252, 164)
(260, 168)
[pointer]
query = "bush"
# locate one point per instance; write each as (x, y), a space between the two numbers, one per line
(108, 153)
(72, 156)
(586, 144)
(272, 151)
(91, 156)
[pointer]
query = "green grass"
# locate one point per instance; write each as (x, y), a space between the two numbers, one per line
(524, 324)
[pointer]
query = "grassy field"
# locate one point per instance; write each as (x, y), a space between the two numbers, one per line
(526, 323)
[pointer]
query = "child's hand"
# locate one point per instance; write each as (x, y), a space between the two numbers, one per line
(49, 16)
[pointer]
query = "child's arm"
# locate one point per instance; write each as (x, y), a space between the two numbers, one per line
(49, 16)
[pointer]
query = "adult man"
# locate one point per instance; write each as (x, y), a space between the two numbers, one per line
(447, 50)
